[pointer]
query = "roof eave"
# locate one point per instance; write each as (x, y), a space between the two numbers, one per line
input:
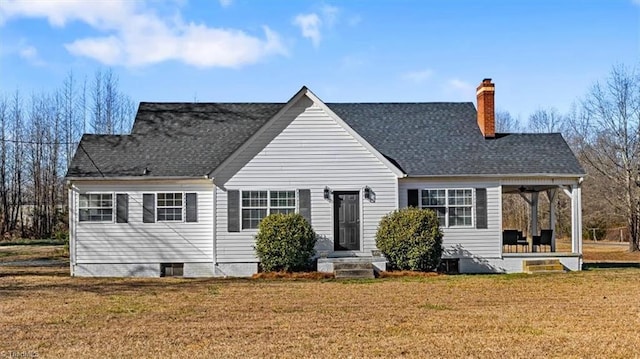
(494, 175)
(137, 178)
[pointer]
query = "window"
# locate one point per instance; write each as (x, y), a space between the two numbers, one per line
(258, 204)
(435, 199)
(460, 205)
(283, 202)
(454, 207)
(171, 269)
(169, 207)
(96, 207)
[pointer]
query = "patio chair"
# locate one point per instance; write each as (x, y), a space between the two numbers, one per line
(510, 238)
(522, 241)
(544, 239)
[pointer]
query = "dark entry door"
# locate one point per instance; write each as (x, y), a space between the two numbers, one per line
(346, 220)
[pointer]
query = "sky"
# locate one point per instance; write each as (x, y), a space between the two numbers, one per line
(539, 53)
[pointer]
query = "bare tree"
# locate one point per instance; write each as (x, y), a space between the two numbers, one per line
(38, 138)
(547, 120)
(506, 123)
(111, 110)
(608, 127)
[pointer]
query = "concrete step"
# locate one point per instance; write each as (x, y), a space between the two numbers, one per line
(541, 262)
(542, 266)
(354, 273)
(352, 265)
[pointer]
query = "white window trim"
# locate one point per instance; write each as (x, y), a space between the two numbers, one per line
(268, 207)
(182, 211)
(113, 207)
(447, 205)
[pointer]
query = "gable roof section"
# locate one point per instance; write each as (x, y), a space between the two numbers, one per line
(172, 140)
(419, 139)
(304, 91)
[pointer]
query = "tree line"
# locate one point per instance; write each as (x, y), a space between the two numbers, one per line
(39, 134)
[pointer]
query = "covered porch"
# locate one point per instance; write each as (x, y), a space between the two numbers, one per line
(538, 235)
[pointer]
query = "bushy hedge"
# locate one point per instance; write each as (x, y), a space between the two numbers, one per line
(410, 239)
(285, 243)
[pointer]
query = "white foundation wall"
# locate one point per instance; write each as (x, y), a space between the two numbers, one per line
(136, 248)
(514, 264)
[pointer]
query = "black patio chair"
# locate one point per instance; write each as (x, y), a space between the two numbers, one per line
(522, 241)
(544, 239)
(510, 238)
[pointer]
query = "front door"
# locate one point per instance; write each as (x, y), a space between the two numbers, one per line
(346, 220)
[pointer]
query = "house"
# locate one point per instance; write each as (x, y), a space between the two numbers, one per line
(184, 192)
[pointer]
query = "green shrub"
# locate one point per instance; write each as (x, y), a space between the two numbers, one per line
(285, 243)
(410, 239)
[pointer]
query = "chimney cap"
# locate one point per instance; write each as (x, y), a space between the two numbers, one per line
(486, 85)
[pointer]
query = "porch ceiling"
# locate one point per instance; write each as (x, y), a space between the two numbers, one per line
(520, 188)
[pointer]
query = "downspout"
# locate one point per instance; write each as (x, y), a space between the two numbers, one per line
(72, 228)
(214, 226)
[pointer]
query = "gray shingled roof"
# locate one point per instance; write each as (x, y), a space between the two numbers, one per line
(443, 139)
(172, 140)
(423, 139)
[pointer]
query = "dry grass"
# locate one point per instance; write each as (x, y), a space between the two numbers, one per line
(293, 275)
(32, 252)
(602, 251)
(581, 314)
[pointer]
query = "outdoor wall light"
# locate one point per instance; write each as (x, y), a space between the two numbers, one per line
(369, 194)
(327, 193)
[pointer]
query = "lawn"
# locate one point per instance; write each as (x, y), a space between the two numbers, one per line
(44, 312)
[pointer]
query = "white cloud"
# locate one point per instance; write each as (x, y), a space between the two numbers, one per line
(310, 26)
(418, 76)
(225, 3)
(460, 85)
(137, 36)
(30, 53)
(636, 2)
(98, 14)
(459, 88)
(330, 14)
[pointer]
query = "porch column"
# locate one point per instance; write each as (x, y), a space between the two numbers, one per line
(551, 195)
(576, 218)
(534, 214)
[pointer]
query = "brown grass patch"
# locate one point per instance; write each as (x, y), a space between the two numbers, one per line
(32, 252)
(602, 251)
(292, 275)
(406, 273)
(580, 314)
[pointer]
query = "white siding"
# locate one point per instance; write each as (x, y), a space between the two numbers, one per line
(306, 149)
(466, 242)
(138, 242)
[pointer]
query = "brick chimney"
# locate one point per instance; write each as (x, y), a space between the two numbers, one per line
(486, 108)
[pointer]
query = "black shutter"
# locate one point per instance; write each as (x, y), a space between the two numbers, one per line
(304, 204)
(122, 208)
(412, 198)
(148, 208)
(192, 207)
(233, 211)
(481, 208)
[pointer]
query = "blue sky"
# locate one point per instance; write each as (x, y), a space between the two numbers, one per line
(542, 53)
